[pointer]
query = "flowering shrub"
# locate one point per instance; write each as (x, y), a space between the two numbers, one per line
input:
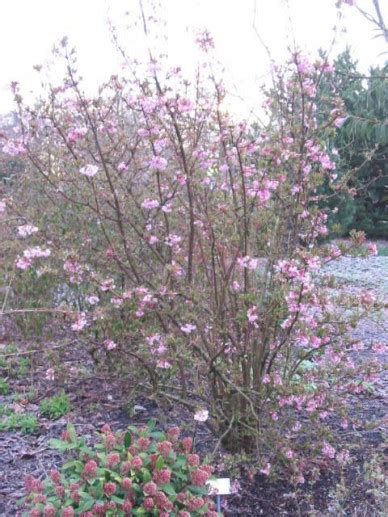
(140, 472)
(187, 246)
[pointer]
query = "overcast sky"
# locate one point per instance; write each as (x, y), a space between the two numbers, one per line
(29, 28)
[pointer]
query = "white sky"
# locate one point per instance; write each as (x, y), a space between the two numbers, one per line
(29, 28)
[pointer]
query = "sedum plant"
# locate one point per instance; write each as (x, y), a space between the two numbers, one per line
(140, 472)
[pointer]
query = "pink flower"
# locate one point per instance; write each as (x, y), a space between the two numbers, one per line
(92, 300)
(76, 133)
(122, 167)
(26, 230)
(127, 506)
(343, 456)
(205, 40)
(149, 204)
(202, 415)
(109, 488)
(173, 433)
(36, 252)
(252, 314)
(187, 443)
(162, 477)
(90, 469)
(248, 262)
(14, 147)
(372, 248)
(126, 484)
(266, 469)
(158, 163)
(164, 448)
(340, 121)
(162, 363)
(153, 239)
(193, 460)
(67, 512)
(150, 488)
(112, 459)
(89, 170)
(23, 263)
(136, 463)
(379, 348)
(367, 299)
(50, 374)
(80, 323)
(55, 476)
(33, 485)
(188, 328)
(199, 477)
(236, 287)
(328, 450)
(173, 240)
(148, 504)
(109, 344)
(107, 285)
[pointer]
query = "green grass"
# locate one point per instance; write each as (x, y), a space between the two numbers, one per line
(56, 406)
(10, 421)
(4, 387)
(383, 251)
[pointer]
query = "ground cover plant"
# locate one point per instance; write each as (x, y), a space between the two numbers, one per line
(182, 250)
(138, 472)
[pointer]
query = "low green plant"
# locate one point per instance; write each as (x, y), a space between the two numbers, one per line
(24, 422)
(29, 395)
(4, 387)
(24, 364)
(383, 251)
(56, 406)
(140, 472)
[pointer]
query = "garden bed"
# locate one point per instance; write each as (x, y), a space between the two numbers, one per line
(24, 446)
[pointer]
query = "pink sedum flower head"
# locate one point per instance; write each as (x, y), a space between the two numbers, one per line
(201, 416)
(89, 170)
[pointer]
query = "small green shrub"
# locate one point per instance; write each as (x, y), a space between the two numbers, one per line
(56, 406)
(28, 396)
(24, 422)
(139, 472)
(24, 364)
(4, 387)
